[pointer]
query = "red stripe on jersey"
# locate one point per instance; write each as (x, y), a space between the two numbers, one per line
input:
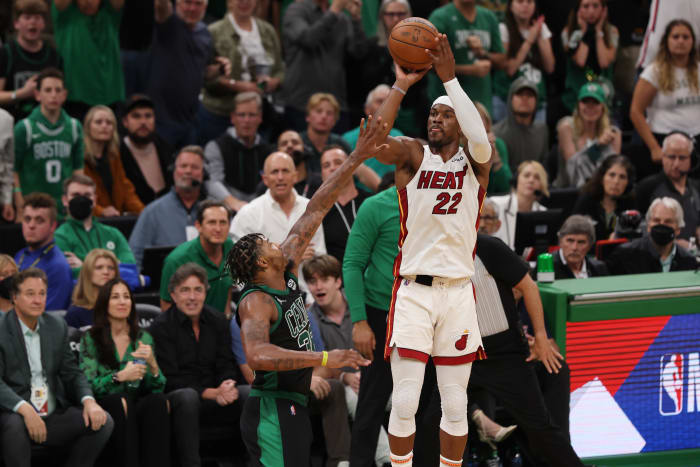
(651, 29)
(480, 197)
(403, 232)
(480, 354)
(414, 354)
(390, 317)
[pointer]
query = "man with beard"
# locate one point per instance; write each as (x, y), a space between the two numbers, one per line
(164, 222)
(145, 156)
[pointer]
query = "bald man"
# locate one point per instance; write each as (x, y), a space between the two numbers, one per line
(274, 213)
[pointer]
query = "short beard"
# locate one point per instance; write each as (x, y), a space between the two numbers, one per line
(140, 140)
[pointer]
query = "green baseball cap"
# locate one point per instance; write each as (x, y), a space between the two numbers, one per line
(592, 90)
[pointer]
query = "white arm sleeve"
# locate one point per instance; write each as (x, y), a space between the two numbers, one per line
(469, 121)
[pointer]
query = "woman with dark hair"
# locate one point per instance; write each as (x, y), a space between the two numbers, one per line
(668, 92)
(607, 194)
(591, 44)
(527, 41)
(119, 361)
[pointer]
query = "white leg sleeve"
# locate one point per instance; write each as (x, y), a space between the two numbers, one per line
(452, 383)
(408, 381)
(469, 121)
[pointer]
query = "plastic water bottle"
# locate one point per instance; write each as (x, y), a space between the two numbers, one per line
(545, 268)
(136, 383)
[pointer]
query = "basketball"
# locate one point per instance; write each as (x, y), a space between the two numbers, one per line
(408, 41)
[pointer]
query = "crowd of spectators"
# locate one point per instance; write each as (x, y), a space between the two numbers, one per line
(198, 122)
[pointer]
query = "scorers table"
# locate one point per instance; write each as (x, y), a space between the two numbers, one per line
(633, 346)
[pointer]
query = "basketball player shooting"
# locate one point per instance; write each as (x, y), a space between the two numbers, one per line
(433, 310)
(275, 326)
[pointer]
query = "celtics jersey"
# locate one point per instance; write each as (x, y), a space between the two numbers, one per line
(290, 331)
(47, 153)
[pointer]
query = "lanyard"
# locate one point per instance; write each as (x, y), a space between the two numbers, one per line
(36, 261)
(342, 214)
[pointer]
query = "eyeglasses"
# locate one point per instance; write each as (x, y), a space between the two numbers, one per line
(395, 14)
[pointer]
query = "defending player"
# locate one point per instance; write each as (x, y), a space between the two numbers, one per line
(433, 310)
(275, 327)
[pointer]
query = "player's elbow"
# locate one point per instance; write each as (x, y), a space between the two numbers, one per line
(480, 152)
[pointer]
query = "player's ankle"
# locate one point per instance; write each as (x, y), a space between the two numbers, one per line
(402, 461)
(445, 462)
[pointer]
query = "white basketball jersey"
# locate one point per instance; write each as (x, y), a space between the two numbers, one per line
(439, 212)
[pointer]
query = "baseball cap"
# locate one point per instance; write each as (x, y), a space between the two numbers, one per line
(592, 90)
(137, 100)
(524, 83)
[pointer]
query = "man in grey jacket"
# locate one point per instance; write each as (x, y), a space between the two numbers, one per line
(41, 384)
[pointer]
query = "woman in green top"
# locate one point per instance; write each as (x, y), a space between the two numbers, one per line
(119, 361)
(591, 44)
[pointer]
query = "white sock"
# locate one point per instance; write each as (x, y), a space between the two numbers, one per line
(445, 462)
(402, 461)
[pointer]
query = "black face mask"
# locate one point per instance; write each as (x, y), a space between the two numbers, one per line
(80, 207)
(662, 235)
(5, 287)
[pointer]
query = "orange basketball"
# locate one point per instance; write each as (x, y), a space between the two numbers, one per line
(408, 41)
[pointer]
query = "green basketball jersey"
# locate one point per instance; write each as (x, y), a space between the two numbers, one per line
(290, 331)
(46, 153)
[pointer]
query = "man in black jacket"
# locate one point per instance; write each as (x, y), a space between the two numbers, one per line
(145, 155)
(41, 384)
(658, 250)
(576, 237)
(193, 347)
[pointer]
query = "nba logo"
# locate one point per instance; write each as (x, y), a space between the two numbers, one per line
(671, 384)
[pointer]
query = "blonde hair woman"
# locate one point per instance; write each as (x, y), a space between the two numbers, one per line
(100, 266)
(530, 183)
(586, 137)
(668, 92)
(115, 192)
(8, 268)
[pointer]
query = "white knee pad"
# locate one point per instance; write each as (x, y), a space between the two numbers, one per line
(452, 383)
(404, 404)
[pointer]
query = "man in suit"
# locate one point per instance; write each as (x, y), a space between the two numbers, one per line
(40, 383)
(576, 237)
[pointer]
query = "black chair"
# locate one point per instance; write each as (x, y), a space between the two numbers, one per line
(12, 239)
(152, 264)
(146, 314)
(125, 224)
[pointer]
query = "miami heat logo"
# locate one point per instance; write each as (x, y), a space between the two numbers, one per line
(461, 342)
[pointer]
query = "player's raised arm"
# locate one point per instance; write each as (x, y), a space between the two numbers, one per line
(398, 150)
(369, 143)
(256, 311)
(468, 117)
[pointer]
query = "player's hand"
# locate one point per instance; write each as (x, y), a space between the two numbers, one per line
(372, 133)
(320, 387)
(352, 380)
(545, 352)
(341, 358)
(407, 78)
(363, 339)
(443, 59)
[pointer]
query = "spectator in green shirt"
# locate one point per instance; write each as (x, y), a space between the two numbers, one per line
(119, 362)
(81, 233)
(476, 43)
(208, 250)
(87, 37)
